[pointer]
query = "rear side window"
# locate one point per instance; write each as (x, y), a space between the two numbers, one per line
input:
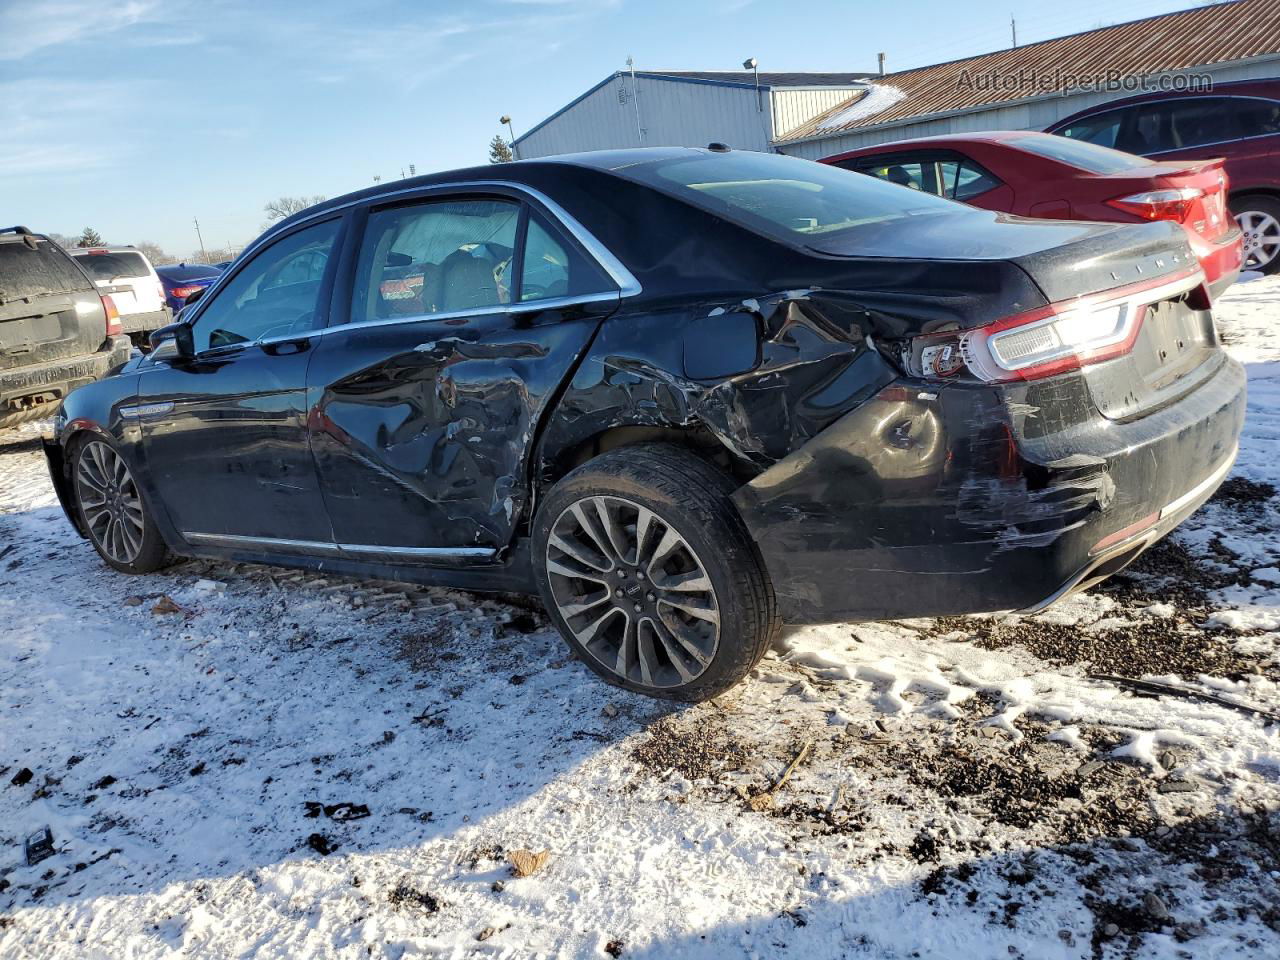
(962, 179)
(783, 195)
(113, 266)
(439, 257)
(553, 268)
(25, 272)
(1256, 118)
(1075, 153)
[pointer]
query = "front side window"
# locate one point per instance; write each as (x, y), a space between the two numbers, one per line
(905, 173)
(553, 268)
(442, 256)
(275, 294)
(1255, 118)
(1102, 129)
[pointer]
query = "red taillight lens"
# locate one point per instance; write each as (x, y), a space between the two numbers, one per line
(183, 292)
(160, 289)
(1048, 340)
(1173, 203)
(114, 326)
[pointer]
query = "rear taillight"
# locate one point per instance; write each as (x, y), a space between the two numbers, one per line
(183, 292)
(160, 289)
(1173, 203)
(1048, 340)
(114, 326)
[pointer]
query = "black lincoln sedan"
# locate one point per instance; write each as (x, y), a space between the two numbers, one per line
(685, 395)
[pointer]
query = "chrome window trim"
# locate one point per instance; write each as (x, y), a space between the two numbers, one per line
(628, 285)
(338, 549)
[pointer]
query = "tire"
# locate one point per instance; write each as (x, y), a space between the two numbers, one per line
(121, 529)
(646, 568)
(1259, 219)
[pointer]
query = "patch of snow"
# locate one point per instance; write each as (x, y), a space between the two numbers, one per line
(878, 97)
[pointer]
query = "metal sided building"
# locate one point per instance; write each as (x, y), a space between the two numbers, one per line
(1239, 40)
(691, 109)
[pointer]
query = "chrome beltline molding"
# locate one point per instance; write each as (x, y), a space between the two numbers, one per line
(340, 549)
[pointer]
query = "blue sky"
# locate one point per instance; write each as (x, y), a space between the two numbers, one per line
(134, 117)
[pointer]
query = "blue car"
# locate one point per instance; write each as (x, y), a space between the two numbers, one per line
(183, 279)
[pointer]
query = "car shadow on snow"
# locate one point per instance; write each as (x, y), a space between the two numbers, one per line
(213, 719)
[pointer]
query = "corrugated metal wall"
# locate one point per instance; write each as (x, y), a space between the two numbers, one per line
(793, 106)
(1025, 116)
(670, 114)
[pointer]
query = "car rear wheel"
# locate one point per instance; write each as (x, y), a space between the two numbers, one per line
(650, 574)
(1259, 220)
(113, 511)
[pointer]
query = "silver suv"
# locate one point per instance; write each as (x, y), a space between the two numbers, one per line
(128, 277)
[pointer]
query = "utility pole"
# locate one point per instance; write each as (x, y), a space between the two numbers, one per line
(635, 100)
(1013, 28)
(196, 221)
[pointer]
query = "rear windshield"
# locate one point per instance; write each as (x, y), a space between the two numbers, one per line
(785, 195)
(1078, 153)
(31, 273)
(113, 266)
(183, 272)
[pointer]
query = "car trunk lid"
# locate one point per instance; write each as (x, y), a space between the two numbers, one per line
(1202, 186)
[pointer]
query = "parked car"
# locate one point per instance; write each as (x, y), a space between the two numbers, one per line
(128, 277)
(181, 280)
(1039, 175)
(1239, 122)
(683, 394)
(57, 330)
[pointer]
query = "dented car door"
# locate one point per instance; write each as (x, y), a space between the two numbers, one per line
(464, 314)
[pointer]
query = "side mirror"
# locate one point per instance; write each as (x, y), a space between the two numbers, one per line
(180, 334)
(193, 297)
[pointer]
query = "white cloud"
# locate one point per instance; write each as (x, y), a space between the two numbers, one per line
(26, 28)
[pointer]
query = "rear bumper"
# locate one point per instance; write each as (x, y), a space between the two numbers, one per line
(1221, 260)
(146, 322)
(25, 389)
(930, 502)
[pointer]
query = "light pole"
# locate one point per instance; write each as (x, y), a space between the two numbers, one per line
(506, 118)
(750, 64)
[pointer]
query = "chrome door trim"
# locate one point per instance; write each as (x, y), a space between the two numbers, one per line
(235, 541)
(628, 285)
(139, 411)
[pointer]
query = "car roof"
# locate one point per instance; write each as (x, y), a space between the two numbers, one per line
(515, 171)
(1268, 88)
(942, 140)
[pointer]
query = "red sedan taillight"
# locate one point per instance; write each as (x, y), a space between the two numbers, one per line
(114, 327)
(1048, 340)
(1173, 203)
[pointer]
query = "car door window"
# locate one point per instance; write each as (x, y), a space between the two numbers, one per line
(1101, 128)
(962, 179)
(1254, 117)
(905, 173)
(1194, 123)
(274, 294)
(553, 268)
(443, 256)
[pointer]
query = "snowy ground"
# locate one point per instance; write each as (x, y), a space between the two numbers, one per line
(964, 788)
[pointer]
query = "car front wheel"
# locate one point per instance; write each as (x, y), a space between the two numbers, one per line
(650, 574)
(113, 511)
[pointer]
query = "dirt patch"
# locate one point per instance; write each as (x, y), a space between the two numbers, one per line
(1243, 492)
(1147, 646)
(694, 745)
(403, 893)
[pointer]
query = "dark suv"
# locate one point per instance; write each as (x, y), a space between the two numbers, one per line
(1239, 122)
(56, 331)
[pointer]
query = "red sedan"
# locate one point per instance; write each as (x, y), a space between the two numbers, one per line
(1040, 175)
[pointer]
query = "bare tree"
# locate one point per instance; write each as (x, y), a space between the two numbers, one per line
(283, 207)
(154, 252)
(499, 150)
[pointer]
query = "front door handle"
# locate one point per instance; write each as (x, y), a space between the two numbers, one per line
(280, 348)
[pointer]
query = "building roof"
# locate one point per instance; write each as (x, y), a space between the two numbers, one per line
(766, 79)
(1200, 37)
(720, 78)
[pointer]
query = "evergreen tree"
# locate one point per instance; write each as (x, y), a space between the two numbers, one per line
(499, 150)
(90, 238)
